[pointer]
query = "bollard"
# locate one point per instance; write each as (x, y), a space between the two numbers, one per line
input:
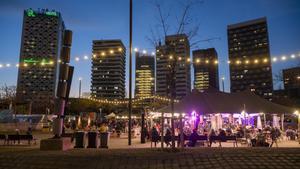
(92, 139)
(79, 139)
(104, 140)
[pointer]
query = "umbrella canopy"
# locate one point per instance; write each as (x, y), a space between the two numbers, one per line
(255, 104)
(213, 101)
(111, 115)
(192, 102)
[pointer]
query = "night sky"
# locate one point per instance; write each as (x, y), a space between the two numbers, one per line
(109, 19)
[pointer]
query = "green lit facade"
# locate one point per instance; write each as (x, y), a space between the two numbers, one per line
(40, 49)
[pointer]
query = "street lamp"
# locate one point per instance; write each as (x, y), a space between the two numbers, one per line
(79, 94)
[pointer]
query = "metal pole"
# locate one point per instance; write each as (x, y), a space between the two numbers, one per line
(162, 130)
(130, 72)
(172, 121)
(143, 134)
(299, 128)
(282, 122)
(79, 94)
(181, 131)
(265, 120)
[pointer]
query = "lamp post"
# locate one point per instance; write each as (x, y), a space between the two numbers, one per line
(223, 88)
(79, 90)
(298, 115)
(130, 73)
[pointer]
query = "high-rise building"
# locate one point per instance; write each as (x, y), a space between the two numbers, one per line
(249, 55)
(206, 73)
(41, 42)
(108, 69)
(144, 75)
(175, 47)
(291, 78)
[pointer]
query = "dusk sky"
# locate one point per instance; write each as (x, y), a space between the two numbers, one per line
(109, 19)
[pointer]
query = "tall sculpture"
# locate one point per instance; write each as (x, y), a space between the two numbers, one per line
(64, 83)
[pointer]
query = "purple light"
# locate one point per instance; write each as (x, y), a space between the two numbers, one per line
(193, 115)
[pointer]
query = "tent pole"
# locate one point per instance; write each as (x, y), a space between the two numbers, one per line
(265, 120)
(282, 122)
(299, 128)
(162, 130)
(181, 131)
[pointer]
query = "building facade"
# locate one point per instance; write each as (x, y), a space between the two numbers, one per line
(144, 75)
(206, 74)
(291, 79)
(108, 69)
(41, 43)
(176, 49)
(249, 55)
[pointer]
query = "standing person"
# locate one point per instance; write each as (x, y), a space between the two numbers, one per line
(168, 137)
(154, 136)
(118, 129)
(212, 133)
(253, 137)
(145, 132)
(274, 136)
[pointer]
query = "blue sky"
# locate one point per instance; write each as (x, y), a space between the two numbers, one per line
(108, 19)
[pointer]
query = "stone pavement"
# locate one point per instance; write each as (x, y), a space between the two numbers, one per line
(192, 158)
(122, 143)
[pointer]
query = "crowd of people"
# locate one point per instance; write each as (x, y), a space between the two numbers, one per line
(254, 137)
(265, 137)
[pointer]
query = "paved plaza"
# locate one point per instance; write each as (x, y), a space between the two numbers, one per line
(239, 158)
(141, 156)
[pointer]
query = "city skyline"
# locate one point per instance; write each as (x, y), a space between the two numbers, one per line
(86, 28)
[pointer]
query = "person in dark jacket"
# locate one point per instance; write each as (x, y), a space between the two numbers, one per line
(168, 137)
(154, 136)
(275, 134)
(193, 138)
(210, 135)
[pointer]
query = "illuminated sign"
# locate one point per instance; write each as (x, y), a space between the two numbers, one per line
(34, 61)
(32, 13)
(52, 13)
(31, 60)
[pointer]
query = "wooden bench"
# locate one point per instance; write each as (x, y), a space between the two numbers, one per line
(223, 139)
(15, 137)
(232, 139)
(3, 137)
(200, 138)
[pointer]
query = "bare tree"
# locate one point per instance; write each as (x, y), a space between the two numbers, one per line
(8, 92)
(278, 79)
(186, 24)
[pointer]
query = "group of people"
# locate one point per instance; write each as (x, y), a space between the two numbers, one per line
(258, 138)
(266, 137)
(155, 136)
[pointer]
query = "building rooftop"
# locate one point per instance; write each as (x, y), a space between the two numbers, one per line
(247, 23)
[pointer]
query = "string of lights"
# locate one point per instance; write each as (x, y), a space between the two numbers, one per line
(123, 101)
(77, 59)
